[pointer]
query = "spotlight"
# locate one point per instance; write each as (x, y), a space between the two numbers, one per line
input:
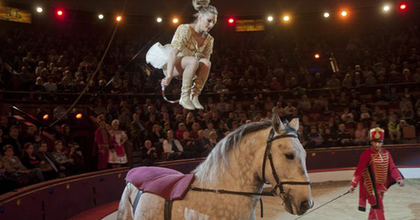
(326, 15)
(386, 8)
(231, 21)
(159, 20)
(119, 18)
(344, 13)
(286, 18)
(317, 56)
(60, 12)
(175, 20)
(39, 10)
(270, 18)
(403, 7)
(46, 117)
(79, 116)
(101, 16)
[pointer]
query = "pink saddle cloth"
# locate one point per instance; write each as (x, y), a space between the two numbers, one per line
(167, 183)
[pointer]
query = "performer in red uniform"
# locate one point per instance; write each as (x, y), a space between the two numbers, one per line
(375, 173)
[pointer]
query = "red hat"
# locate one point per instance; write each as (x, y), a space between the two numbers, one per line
(377, 134)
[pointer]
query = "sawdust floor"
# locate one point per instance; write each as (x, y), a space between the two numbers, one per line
(401, 203)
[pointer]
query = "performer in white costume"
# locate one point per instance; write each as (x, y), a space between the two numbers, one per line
(188, 55)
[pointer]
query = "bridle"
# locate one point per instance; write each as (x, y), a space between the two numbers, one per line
(279, 184)
(267, 154)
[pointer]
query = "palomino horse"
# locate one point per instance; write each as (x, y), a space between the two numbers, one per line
(240, 163)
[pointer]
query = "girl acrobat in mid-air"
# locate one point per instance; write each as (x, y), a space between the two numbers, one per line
(188, 55)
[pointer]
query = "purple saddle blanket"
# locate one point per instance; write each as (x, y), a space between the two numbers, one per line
(167, 183)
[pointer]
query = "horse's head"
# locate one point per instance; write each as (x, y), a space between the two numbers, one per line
(286, 170)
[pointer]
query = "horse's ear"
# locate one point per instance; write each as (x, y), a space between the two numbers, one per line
(294, 124)
(277, 124)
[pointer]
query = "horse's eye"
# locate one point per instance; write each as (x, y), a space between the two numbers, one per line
(290, 156)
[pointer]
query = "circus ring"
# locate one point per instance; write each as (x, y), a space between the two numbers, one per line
(96, 195)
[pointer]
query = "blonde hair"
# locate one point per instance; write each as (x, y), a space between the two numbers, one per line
(203, 6)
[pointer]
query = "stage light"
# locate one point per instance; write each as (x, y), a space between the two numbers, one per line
(46, 117)
(119, 18)
(231, 21)
(326, 15)
(79, 116)
(317, 56)
(39, 10)
(270, 18)
(286, 18)
(159, 20)
(101, 16)
(386, 8)
(403, 7)
(60, 12)
(175, 20)
(344, 13)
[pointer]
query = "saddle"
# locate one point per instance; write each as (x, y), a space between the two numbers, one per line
(167, 183)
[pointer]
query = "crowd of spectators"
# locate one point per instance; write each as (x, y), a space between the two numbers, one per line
(376, 87)
(27, 158)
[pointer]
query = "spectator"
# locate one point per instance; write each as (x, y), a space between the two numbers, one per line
(360, 135)
(330, 139)
(137, 131)
(14, 140)
(61, 157)
(343, 136)
(172, 147)
(315, 138)
(117, 155)
(50, 86)
(76, 155)
(333, 82)
(49, 161)
(149, 154)
(202, 144)
(180, 132)
(102, 143)
(16, 170)
(394, 129)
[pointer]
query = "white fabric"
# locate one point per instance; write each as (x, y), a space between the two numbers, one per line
(115, 159)
(158, 55)
(167, 146)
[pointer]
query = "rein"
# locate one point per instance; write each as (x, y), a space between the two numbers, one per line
(279, 184)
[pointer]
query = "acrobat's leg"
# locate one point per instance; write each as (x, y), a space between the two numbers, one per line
(200, 81)
(190, 66)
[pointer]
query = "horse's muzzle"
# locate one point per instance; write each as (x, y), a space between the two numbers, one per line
(304, 206)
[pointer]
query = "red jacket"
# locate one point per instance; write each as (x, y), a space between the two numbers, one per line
(376, 172)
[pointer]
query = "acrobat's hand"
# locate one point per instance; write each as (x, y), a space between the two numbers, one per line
(165, 81)
(351, 190)
(401, 183)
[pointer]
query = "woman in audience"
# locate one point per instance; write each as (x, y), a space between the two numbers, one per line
(172, 147)
(117, 155)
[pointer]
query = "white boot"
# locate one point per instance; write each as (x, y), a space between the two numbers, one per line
(199, 83)
(185, 100)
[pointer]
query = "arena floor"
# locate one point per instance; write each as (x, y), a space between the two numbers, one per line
(401, 203)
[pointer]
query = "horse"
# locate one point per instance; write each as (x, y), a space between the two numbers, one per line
(229, 183)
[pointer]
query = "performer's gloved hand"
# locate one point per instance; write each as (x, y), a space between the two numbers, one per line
(351, 189)
(401, 183)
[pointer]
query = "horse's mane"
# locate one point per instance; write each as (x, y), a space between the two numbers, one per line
(214, 165)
